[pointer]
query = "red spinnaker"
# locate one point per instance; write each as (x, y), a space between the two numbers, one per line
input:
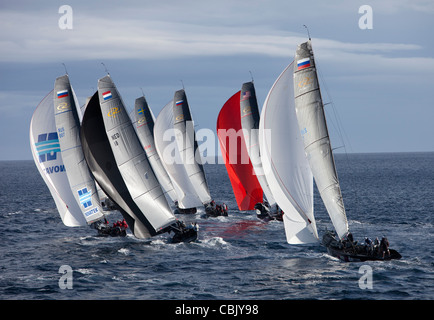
(245, 184)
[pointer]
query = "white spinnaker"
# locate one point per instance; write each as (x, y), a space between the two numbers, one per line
(285, 165)
(45, 147)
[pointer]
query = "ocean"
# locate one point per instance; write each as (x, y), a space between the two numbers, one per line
(236, 257)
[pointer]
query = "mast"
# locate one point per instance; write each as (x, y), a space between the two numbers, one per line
(313, 128)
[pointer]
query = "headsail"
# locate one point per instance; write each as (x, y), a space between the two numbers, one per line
(144, 123)
(313, 128)
(249, 113)
(186, 138)
(170, 157)
(285, 166)
(131, 159)
(245, 184)
(80, 180)
(44, 143)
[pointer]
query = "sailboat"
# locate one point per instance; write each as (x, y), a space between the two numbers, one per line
(185, 137)
(295, 148)
(119, 164)
(144, 124)
(245, 184)
(80, 179)
(175, 140)
(249, 115)
(56, 150)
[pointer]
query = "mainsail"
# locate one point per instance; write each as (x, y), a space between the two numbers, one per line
(44, 143)
(131, 159)
(170, 157)
(144, 123)
(313, 127)
(80, 180)
(245, 184)
(249, 113)
(284, 162)
(186, 139)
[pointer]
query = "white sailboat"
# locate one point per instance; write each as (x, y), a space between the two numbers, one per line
(295, 149)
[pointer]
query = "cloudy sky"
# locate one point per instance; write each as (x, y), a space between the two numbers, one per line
(380, 80)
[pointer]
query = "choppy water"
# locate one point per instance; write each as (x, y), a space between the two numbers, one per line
(236, 257)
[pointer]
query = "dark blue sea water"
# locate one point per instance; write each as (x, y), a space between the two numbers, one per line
(236, 257)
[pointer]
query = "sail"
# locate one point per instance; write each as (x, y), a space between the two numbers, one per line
(245, 184)
(68, 129)
(131, 159)
(313, 128)
(144, 123)
(101, 161)
(284, 162)
(170, 158)
(186, 139)
(249, 113)
(44, 143)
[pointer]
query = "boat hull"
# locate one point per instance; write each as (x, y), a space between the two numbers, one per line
(355, 253)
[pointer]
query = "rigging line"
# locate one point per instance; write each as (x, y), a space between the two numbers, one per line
(66, 71)
(106, 70)
(340, 128)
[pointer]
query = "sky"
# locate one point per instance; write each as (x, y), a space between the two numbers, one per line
(378, 82)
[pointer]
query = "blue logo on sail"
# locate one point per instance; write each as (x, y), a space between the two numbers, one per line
(85, 197)
(47, 146)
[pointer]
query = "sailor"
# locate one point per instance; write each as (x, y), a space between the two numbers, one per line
(384, 246)
(369, 246)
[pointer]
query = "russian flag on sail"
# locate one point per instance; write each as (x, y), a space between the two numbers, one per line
(62, 94)
(179, 103)
(303, 63)
(107, 95)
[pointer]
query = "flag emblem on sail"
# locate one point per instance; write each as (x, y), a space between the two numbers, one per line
(47, 146)
(179, 103)
(246, 95)
(303, 63)
(85, 197)
(107, 95)
(62, 94)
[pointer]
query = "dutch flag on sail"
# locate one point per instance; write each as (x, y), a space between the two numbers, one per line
(303, 63)
(107, 95)
(62, 94)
